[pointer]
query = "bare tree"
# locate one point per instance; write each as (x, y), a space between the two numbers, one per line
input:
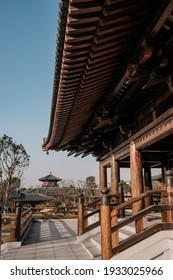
(68, 183)
(80, 184)
(13, 161)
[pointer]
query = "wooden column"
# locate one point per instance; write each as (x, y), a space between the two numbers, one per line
(85, 219)
(147, 185)
(115, 178)
(80, 215)
(136, 181)
(105, 219)
(164, 167)
(115, 175)
(167, 198)
(103, 177)
(115, 235)
(18, 222)
(121, 199)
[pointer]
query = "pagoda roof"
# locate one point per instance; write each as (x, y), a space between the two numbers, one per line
(50, 178)
(112, 58)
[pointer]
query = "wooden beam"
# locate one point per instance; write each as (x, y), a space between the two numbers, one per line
(162, 19)
(152, 133)
(157, 133)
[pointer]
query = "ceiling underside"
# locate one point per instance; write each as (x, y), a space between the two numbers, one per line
(113, 57)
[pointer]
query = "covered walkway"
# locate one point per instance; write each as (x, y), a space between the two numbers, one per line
(49, 240)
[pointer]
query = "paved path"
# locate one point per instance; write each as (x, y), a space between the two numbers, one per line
(49, 240)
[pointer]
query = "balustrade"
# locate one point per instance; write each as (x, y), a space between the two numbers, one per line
(13, 226)
(110, 212)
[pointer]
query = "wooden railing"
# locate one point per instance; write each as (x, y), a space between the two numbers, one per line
(83, 214)
(89, 212)
(13, 226)
(8, 228)
(110, 225)
(108, 214)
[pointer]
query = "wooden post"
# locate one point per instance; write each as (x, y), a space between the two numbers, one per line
(103, 177)
(18, 222)
(167, 198)
(85, 220)
(80, 215)
(164, 167)
(115, 175)
(136, 182)
(115, 235)
(121, 199)
(147, 185)
(105, 215)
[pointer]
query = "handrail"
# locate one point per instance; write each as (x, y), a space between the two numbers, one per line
(110, 234)
(83, 209)
(140, 236)
(92, 226)
(135, 217)
(93, 202)
(8, 228)
(91, 213)
(83, 215)
(18, 225)
(109, 219)
(135, 199)
(25, 220)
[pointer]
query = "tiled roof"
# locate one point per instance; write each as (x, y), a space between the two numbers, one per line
(52, 191)
(107, 53)
(50, 178)
(24, 197)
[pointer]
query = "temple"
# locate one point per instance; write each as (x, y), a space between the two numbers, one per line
(50, 180)
(113, 89)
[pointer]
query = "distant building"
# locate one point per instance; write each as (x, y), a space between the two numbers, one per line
(32, 199)
(50, 180)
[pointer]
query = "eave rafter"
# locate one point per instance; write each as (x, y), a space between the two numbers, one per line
(106, 54)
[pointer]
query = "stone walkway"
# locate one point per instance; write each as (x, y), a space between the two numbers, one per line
(49, 240)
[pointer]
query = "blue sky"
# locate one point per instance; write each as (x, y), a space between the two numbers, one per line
(27, 55)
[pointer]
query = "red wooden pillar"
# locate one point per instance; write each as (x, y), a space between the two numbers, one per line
(103, 177)
(115, 175)
(136, 181)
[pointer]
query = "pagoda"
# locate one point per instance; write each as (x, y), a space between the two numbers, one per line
(50, 180)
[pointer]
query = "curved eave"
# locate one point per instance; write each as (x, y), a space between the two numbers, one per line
(63, 5)
(96, 40)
